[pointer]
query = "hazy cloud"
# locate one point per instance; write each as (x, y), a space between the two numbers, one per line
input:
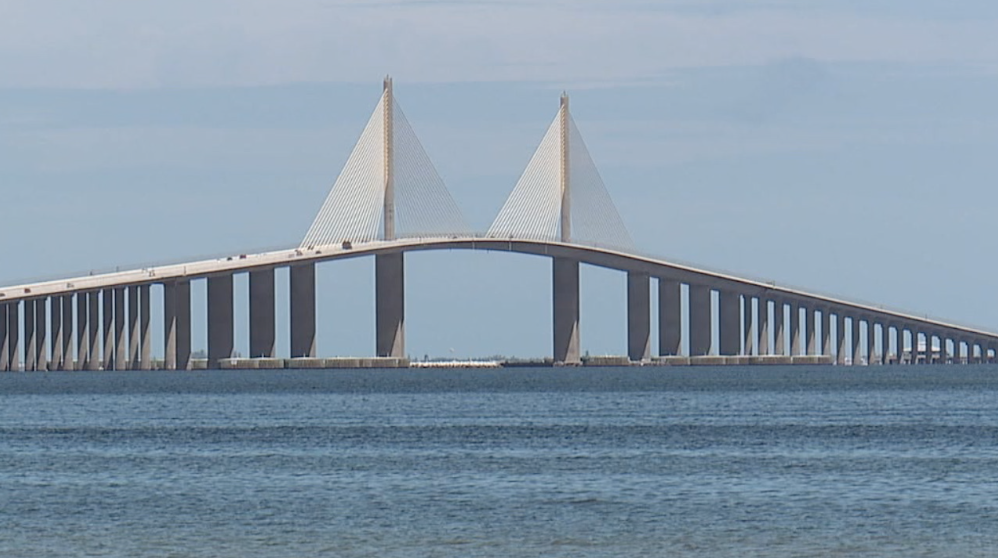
(187, 43)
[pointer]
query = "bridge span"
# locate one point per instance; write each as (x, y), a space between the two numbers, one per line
(388, 201)
(747, 310)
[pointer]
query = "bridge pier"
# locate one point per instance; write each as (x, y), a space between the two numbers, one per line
(30, 340)
(669, 317)
(389, 271)
(840, 337)
(699, 320)
(177, 324)
(67, 363)
(14, 337)
(812, 336)
(221, 339)
(762, 316)
(145, 318)
(779, 335)
(638, 316)
(729, 323)
(4, 340)
(263, 337)
(93, 330)
(748, 325)
(107, 317)
(565, 302)
(857, 351)
(795, 323)
(826, 332)
(870, 340)
(303, 310)
(41, 335)
(120, 329)
(82, 341)
(134, 337)
(56, 326)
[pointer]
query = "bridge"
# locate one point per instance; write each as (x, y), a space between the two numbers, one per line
(389, 200)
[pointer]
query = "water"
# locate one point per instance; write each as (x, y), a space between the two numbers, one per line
(593, 462)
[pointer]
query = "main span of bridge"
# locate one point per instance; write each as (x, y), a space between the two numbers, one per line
(388, 200)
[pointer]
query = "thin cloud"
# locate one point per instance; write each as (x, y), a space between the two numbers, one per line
(112, 44)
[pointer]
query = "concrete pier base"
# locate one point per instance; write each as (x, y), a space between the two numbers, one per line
(565, 298)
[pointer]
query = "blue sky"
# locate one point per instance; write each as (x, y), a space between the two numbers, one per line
(845, 147)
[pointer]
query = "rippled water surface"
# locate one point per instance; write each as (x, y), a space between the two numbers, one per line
(728, 461)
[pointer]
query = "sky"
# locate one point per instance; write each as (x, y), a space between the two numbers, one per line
(844, 147)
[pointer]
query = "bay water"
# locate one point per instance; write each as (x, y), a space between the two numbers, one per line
(585, 462)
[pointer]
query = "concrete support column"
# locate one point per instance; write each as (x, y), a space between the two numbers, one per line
(82, 333)
(120, 330)
(56, 325)
(303, 305)
(779, 335)
(4, 340)
(41, 346)
(93, 330)
(67, 362)
(177, 324)
(13, 337)
(669, 317)
(107, 319)
(870, 341)
(30, 341)
(748, 326)
(840, 337)
(221, 336)
(729, 323)
(134, 335)
(857, 353)
(884, 349)
(638, 316)
(263, 337)
(812, 335)
(565, 298)
(762, 317)
(699, 320)
(826, 331)
(145, 316)
(795, 336)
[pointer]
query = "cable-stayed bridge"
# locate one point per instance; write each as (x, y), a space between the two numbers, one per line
(389, 200)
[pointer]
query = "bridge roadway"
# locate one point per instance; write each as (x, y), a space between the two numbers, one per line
(23, 310)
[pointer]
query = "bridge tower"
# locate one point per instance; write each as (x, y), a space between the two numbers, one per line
(561, 198)
(389, 269)
(565, 271)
